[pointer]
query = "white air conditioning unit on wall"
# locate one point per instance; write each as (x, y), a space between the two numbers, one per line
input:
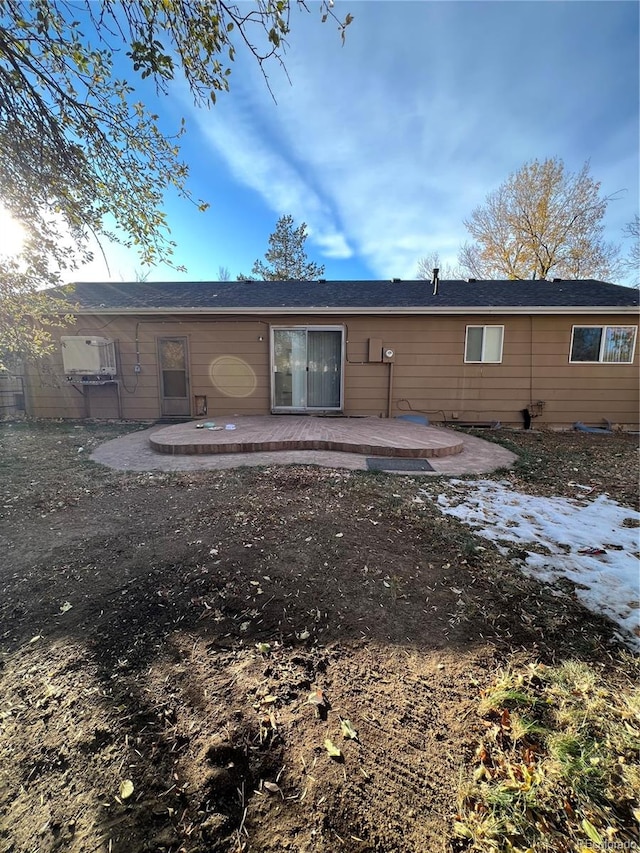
(88, 358)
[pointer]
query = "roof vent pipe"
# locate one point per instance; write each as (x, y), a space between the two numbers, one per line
(435, 281)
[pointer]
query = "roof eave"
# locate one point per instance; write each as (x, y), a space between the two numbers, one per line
(352, 310)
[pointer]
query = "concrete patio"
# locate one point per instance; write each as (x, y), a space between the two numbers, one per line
(330, 442)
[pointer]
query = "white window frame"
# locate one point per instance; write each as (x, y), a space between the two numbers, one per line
(603, 339)
(307, 327)
(483, 360)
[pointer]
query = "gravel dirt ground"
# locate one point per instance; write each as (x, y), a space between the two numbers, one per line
(180, 652)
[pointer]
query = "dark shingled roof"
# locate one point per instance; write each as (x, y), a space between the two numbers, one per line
(365, 295)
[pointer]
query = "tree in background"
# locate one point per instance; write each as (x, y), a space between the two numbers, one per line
(543, 221)
(82, 158)
(286, 257)
(428, 263)
(631, 262)
(223, 273)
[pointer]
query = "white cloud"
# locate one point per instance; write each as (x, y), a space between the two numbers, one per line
(332, 245)
(254, 162)
(386, 145)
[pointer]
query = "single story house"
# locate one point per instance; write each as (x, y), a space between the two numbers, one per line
(457, 351)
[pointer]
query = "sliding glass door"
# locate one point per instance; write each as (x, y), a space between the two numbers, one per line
(289, 368)
(307, 368)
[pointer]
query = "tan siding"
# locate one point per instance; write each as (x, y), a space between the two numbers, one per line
(49, 394)
(580, 392)
(429, 372)
(564, 384)
(207, 342)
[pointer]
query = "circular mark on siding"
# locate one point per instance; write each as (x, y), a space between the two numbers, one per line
(232, 376)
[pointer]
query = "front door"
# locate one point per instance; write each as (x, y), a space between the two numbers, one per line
(307, 369)
(174, 377)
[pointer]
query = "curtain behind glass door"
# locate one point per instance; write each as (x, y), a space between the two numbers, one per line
(324, 351)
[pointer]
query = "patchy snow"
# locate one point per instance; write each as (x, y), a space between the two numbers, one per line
(608, 583)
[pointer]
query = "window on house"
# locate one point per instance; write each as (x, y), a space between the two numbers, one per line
(484, 344)
(608, 344)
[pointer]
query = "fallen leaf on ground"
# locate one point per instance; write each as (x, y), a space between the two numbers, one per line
(347, 730)
(591, 831)
(332, 749)
(126, 789)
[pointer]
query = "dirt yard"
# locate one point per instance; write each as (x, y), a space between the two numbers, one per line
(180, 653)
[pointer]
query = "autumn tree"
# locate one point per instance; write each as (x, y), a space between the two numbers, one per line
(428, 263)
(286, 256)
(82, 157)
(543, 221)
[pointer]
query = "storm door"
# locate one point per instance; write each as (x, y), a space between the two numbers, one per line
(174, 377)
(307, 369)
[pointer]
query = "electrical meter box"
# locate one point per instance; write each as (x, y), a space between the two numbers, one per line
(88, 358)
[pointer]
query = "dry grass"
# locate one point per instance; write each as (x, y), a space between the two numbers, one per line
(559, 766)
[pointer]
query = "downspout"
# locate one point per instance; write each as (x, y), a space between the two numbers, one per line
(530, 363)
(527, 414)
(533, 410)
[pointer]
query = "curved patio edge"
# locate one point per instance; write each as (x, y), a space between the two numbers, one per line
(269, 434)
(133, 453)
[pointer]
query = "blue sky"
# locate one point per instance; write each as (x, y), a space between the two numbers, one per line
(384, 145)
